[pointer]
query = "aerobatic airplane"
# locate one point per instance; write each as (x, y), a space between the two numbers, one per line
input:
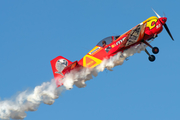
(110, 46)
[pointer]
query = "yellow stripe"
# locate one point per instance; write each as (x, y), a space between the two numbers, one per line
(84, 61)
(93, 49)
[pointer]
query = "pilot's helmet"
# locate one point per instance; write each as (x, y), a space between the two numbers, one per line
(103, 42)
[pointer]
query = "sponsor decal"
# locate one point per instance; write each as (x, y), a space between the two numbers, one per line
(158, 26)
(90, 61)
(151, 24)
(94, 50)
(60, 65)
(120, 41)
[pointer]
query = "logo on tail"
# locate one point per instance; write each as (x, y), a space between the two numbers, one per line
(60, 65)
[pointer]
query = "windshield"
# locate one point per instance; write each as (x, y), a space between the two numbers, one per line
(107, 41)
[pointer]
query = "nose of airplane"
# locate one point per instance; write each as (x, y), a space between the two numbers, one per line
(163, 20)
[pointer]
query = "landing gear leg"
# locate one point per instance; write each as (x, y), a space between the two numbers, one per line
(155, 50)
(151, 57)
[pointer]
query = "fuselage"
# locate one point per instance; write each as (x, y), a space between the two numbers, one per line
(114, 44)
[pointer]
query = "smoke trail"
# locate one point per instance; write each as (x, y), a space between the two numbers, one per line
(29, 100)
(47, 92)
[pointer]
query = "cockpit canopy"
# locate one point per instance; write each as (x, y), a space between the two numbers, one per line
(108, 40)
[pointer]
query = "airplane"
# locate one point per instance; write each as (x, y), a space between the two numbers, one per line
(110, 46)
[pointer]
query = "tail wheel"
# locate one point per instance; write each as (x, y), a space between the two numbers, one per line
(152, 58)
(155, 50)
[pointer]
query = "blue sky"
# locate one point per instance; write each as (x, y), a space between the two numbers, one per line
(34, 32)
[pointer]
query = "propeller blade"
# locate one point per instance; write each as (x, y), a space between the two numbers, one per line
(167, 29)
(164, 14)
(156, 13)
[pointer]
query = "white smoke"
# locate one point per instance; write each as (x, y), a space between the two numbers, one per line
(80, 77)
(48, 92)
(29, 100)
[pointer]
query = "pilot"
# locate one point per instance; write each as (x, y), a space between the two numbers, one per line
(104, 43)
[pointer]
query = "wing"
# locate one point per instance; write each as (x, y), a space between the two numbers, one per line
(93, 58)
(136, 34)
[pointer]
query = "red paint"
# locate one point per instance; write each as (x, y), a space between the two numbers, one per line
(119, 45)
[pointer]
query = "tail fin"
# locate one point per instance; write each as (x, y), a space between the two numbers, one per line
(58, 64)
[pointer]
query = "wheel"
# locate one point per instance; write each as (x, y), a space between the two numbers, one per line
(155, 50)
(152, 58)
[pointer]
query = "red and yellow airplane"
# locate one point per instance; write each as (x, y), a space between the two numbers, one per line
(110, 46)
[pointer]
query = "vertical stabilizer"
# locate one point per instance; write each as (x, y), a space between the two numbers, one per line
(58, 64)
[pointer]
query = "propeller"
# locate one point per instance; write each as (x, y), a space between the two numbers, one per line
(156, 13)
(165, 25)
(167, 29)
(164, 14)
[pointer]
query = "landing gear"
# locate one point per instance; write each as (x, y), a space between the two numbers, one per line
(152, 58)
(155, 50)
